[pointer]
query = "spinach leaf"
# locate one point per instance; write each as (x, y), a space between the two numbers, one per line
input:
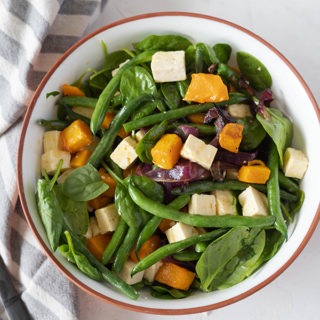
(145, 145)
(150, 188)
(223, 52)
(204, 57)
(254, 71)
(215, 259)
(135, 81)
(81, 261)
(75, 213)
(163, 42)
(171, 94)
(127, 209)
(278, 127)
(163, 292)
(247, 265)
(253, 133)
(83, 184)
(50, 212)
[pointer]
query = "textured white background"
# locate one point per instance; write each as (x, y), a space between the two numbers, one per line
(293, 27)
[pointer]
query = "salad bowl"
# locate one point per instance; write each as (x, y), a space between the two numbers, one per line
(291, 95)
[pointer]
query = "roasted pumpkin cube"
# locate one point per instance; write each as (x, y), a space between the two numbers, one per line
(76, 136)
(231, 136)
(166, 152)
(69, 90)
(80, 158)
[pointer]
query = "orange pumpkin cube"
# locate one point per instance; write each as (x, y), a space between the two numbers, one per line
(166, 152)
(110, 181)
(152, 244)
(231, 136)
(69, 90)
(197, 118)
(100, 201)
(97, 244)
(175, 276)
(76, 136)
(206, 87)
(254, 172)
(80, 158)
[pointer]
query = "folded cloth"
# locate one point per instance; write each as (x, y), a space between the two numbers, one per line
(33, 34)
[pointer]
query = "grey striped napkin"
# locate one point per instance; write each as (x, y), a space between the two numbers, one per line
(33, 34)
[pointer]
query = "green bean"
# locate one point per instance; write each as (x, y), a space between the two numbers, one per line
(188, 255)
(179, 113)
(111, 277)
(53, 124)
(111, 88)
(125, 249)
(204, 129)
(273, 191)
(115, 241)
(201, 246)
(234, 185)
(287, 183)
(108, 138)
(152, 225)
(197, 220)
(78, 101)
(174, 247)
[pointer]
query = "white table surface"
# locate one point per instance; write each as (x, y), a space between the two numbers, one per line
(292, 26)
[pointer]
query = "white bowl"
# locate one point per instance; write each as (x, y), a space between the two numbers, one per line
(290, 92)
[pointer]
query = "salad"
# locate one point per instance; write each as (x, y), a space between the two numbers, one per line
(169, 169)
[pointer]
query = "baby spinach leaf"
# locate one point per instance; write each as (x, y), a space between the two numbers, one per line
(254, 71)
(219, 253)
(163, 42)
(136, 81)
(83, 184)
(163, 292)
(50, 212)
(278, 127)
(222, 51)
(79, 259)
(246, 265)
(151, 188)
(252, 135)
(75, 213)
(171, 94)
(127, 209)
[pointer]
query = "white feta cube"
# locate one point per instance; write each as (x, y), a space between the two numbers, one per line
(51, 159)
(94, 228)
(239, 110)
(139, 135)
(150, 272)
(196, 150)
(125, 273)
(107, 218)
(295, 163)
(204, 204)
(253, 202)
(52, 141)
(226, 203)
(168, 66)
(180, 231)
(125, 153)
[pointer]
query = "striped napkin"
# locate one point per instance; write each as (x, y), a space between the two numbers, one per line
(33, 34)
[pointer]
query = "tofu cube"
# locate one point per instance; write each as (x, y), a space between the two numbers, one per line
(150, 272)
(253, 202)
(125, 273)
(51, 159)
(195, 150)
(139, 135)
(125, 153)
(168, 66)
(93, 226)
(107, 218)
(52, 141)
(204, 204)
(226, 203)
(239, 110)
(180, 231)
(295, 163)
